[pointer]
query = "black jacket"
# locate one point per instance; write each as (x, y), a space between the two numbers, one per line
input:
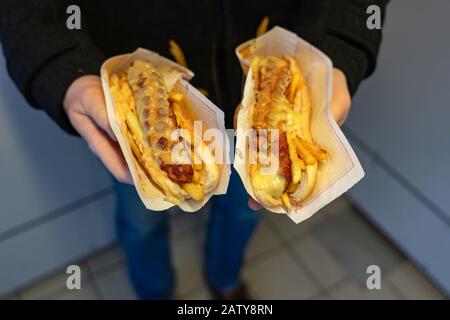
(44, 57)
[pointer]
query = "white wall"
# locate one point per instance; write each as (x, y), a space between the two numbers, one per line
(400, 124)
(56, 199)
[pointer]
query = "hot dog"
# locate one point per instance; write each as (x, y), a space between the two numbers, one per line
(281, 116)
(155, 123)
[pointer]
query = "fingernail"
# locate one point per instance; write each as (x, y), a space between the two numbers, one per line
(113, 136)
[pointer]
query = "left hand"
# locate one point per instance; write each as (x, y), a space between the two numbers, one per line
(342, 100)
(340, 107)
(86, 109)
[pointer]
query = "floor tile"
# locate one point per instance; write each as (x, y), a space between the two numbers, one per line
(352, 290)
(336, 207)
(11, 297)
(105, 259)
(85, 293)
(356, 244)
(187, 256)
(285, 227)
(318, 258)
(321, 296)
(115, 284)
(183, 222)
(278, 277)
(412, 284)
(262, 240)
(337, 245)
(53, 283)
(199, 294)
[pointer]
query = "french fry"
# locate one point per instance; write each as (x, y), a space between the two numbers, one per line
(203, 91)
(135, 148)
(304, 153)
(117, 97)
(286, 201)
(262, 27)
(293, 87)
(175, 96)
(297, 79)
(181, 120)
(296, 103)
(122, 77)
(114, 80)
(145, 159)
(255, 69)
(196, 176)
(198, 166)
(302, 164)
(138, 156)
(305, 114)
(301, 102)
(133, 124)
(126, 92)
(296, 170)
(292, 187)
(245, 51)
(122, 107)
(195, 191)
(306, 186)
(318, 152)
(177, 53)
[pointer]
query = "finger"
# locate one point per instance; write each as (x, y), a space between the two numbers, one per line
(235, 117)
(341, 97)
(340, 108)
(107, 150)
(95, 107)
(338, 113)
(252, 204)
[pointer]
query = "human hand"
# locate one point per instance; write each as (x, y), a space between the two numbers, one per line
(86, 109)
(340, 107)
(342, 100)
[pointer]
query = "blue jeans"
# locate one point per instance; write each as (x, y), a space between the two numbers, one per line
(144, 236)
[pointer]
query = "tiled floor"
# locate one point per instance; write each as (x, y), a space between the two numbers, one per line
(325, 257)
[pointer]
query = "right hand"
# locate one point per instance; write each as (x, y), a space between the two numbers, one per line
(85, 106)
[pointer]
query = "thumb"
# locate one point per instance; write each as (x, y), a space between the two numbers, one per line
(255, 206)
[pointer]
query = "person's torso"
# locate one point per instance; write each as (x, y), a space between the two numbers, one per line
(208, 32)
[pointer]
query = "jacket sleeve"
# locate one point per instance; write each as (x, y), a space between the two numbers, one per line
(43, 56)
(347, 40)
